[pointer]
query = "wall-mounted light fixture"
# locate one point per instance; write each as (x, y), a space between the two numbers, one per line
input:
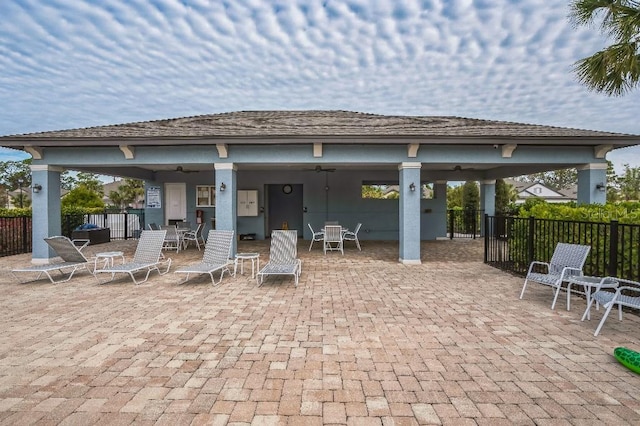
(37, 188)
(412, 186)
(305, 210)
(601, 187)
(261, 209)
(222, 187)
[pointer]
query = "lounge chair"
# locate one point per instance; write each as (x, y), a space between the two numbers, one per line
(566, 262)
(283, 254)
(315, 236)
(172, 239)
(72, 259)
(627, 295)
(146, 257)
(217, 254)
(353, 236)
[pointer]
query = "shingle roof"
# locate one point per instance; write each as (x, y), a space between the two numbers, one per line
(316, 123)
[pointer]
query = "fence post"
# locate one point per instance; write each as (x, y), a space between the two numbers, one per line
(451, 219)
(486, 237)
(530, 245)
(612, 268)
(126, 225)
(24, 234)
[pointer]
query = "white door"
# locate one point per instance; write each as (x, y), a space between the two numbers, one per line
(175, 201)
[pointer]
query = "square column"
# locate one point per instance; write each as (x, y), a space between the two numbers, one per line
(409, 190)
(226, 199)
(592, 183)
(487, 200)
(46, 211)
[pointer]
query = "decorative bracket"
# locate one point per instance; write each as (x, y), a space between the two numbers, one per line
(317, 149)
(35, 151)
(128, 151)
(600, 151)
(507, 150)
(223, 150)
(412, 150)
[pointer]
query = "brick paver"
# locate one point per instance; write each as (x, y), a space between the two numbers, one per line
(363, 340)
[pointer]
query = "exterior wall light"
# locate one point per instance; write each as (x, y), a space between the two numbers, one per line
(412, 186)
(37, 188)
(601, 187)
(222, 187)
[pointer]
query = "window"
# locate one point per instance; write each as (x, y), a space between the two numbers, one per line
(205, 196)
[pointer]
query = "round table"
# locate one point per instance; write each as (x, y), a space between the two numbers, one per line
(108, 257)
(241, 257)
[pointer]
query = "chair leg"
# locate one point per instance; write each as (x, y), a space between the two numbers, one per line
(604, 318)
(523, 287)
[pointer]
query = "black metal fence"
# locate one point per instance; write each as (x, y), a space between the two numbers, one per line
(511, 243)
(16, 232)
(464, 223)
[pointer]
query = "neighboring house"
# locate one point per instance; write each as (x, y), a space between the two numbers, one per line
(253, 171)
(527, 190)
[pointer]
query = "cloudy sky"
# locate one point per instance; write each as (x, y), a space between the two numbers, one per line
(78, 63)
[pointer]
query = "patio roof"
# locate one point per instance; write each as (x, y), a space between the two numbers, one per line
(255, 127)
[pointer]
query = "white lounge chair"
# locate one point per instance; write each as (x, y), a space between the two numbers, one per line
(627, 295)
(353, 236)
(146, 257)
(72, 260)
(566, 262)
(333, 238)
(217, 254)
(315, 236)
(283, 254)
(172, 240)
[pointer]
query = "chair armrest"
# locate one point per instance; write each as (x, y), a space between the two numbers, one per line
(534, 263)
(565, 272)
(80, 243)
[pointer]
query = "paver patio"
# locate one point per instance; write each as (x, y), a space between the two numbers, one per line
(363, 340)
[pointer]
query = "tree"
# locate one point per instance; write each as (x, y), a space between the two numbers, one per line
(614, 70)
(15, 174)
(128, 193)
(556, 179)
(470, 196)
(454, 197)
(505, 196)
(630, 183)
(613, 184)
(91, 182)
(82, 197)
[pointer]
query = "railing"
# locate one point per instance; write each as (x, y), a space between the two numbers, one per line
(16, 232)
(464, 223)
(511, 243)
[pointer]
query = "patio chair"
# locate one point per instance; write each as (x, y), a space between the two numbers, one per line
(333, 238)
(352, 236)
(627, 295)
(566, 262)
(172, 240)
(146, 257)
(195, 236)
(315, 236)
(72, 260)
(217, 254)
(283, 254)
(153, 227)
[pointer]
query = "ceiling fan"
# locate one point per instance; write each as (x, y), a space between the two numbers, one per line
(319, 169)
(180, 169)
(459, 168)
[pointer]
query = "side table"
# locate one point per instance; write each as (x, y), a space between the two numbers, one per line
(107, 257)
(589, 284)
(241, 257)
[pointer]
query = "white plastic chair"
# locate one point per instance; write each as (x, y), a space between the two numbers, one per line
(566, 262)
(353, 235)
(333, 238)
(195, 236)
(315, 236)
(172, 240)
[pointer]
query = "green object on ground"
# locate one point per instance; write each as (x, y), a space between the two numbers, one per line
(628, 358)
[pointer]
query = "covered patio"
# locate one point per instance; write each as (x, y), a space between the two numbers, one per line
(362, 340)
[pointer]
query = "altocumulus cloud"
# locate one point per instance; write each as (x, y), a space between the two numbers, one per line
(75, 63)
